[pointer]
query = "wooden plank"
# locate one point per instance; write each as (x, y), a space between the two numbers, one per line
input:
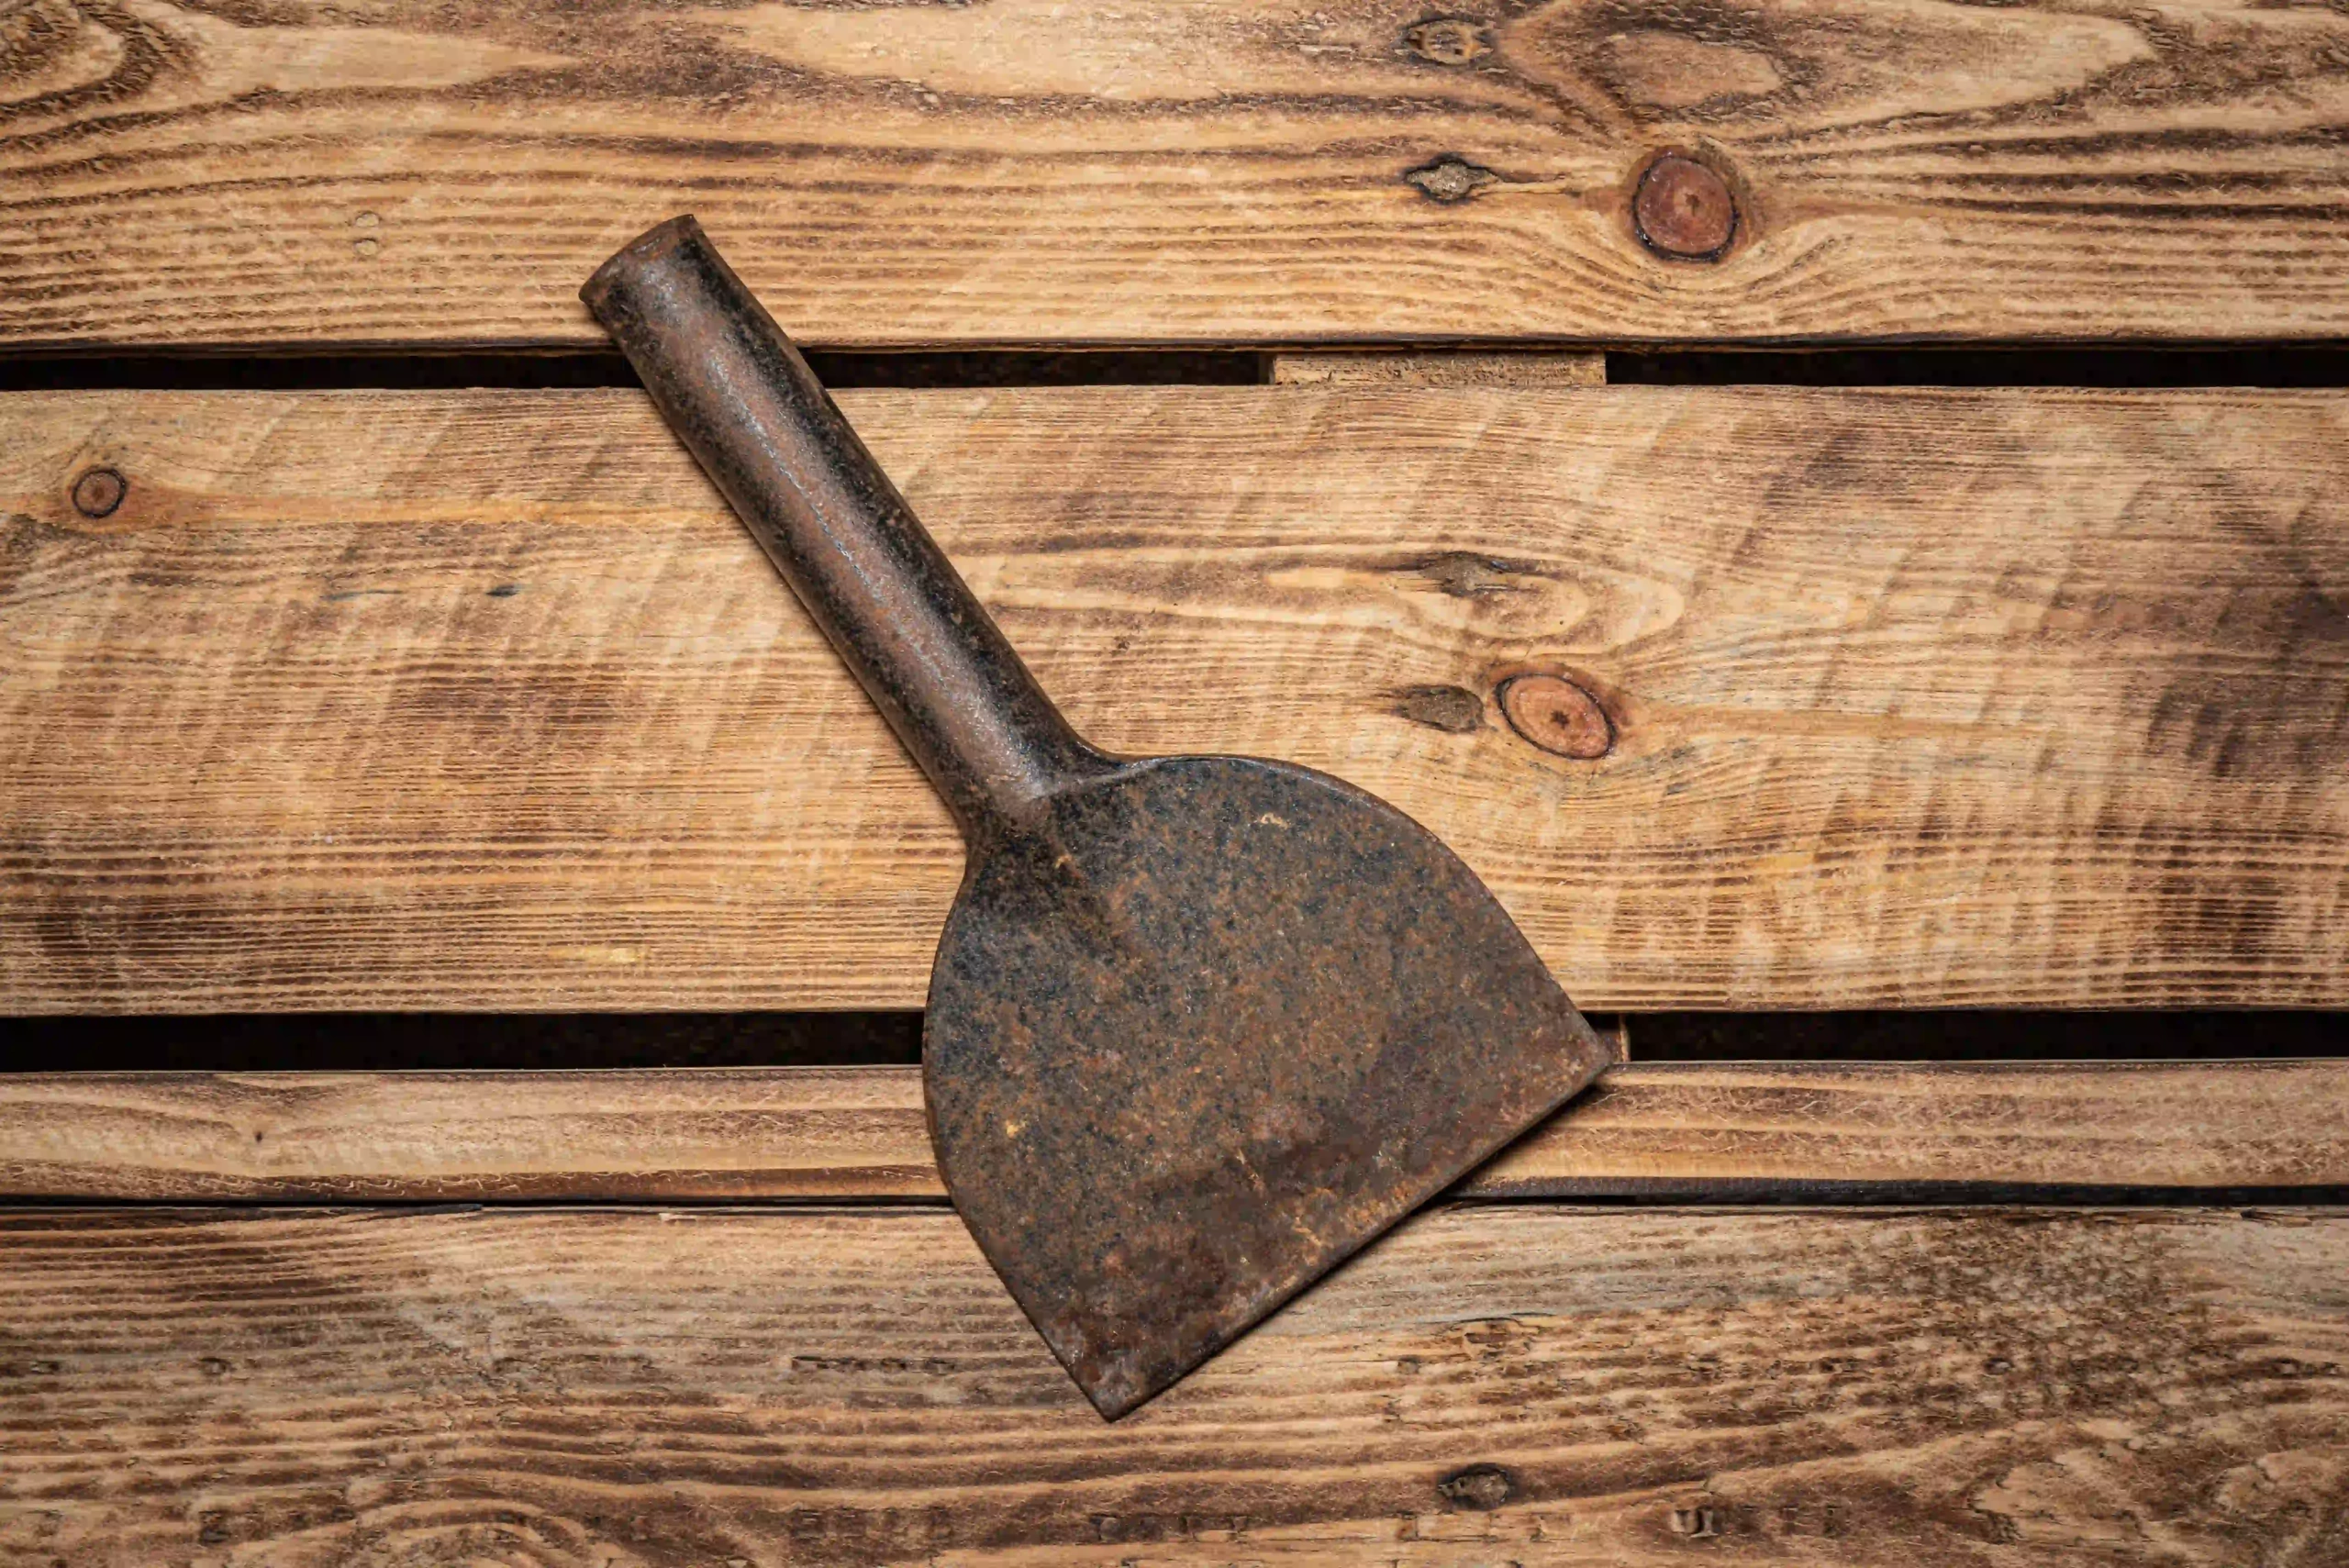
(1520, 1383)
(1456, 368)
(481, 701)
(681, 1134)
(1788, 1131)
(1203, 171)
(1878, 1132)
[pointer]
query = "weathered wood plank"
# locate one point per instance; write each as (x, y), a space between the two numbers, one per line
(1211, 171)
(783, 1132)
(1547, 1387)
(1705, 1130)
(481, 701)
(1457, 368)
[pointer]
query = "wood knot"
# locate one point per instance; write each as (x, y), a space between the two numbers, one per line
(1455, 710)
(1482, 1487)
(1449, 179)
(99, 493)
(1683, 210)
(1465, 574)
(1559, 716)
(1448, 40)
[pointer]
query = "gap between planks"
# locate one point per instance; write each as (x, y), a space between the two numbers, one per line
(1683, 1132)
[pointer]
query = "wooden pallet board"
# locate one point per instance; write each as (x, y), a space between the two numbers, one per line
(483, 701)
(1526, 1383)
(1782, 1131)
(1209, 172)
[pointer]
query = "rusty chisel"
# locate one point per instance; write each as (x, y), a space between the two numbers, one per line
(1199, 1027)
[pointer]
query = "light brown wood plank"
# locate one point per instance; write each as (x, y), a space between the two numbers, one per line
(1203, 171)
(1778, 1129)
(783, 1132)
(1783, 1128)
(481, 700)
(1523, 1384)
(1455, 368)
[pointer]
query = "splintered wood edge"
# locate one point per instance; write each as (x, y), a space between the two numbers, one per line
(1868, 1132)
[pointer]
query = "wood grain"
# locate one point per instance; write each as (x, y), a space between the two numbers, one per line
(1782, 1131)
(1524, 1383)
(1182, 171)
(677, 1135)
(481, 701)
(1455, 368)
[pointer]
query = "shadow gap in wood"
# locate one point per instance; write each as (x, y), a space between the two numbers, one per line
(2282, 365)
(391, 1042)
(261, 369)
(524, 370)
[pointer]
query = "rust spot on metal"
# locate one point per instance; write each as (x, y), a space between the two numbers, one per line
(1561, 717)
(1199, 1028)
(1684, 210)
(98, 493)
(1204, 1035)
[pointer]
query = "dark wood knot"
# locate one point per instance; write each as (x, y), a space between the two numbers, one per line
(1683, 210)
(99, 493)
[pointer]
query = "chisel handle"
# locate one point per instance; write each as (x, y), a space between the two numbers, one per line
(745, 404)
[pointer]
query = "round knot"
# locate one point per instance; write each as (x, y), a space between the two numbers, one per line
(99, 491)
(1684, 210)
(1557, 715)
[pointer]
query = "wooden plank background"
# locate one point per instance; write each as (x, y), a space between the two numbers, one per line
(1532, 1384)
(1784, 1131)
(1182, 171)
(483, 701)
